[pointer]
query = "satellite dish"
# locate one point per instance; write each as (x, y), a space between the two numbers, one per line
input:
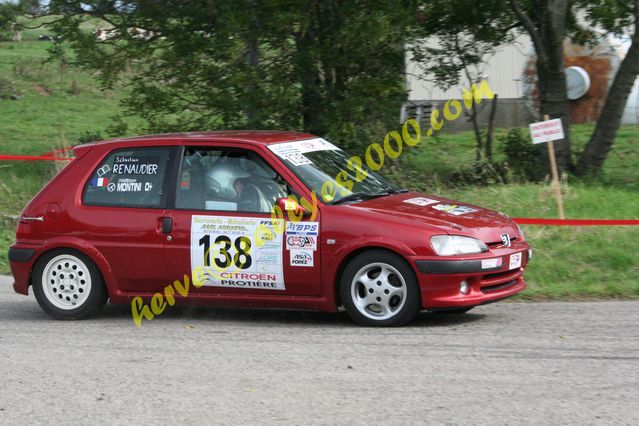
(578, 82)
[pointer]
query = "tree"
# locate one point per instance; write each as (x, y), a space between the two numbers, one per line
(462, 38)
(329, 67)
(545, 21)
(9, 13)
(615, 16)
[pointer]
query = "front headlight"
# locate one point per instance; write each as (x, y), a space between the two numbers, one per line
(449, 245)
(521, 232)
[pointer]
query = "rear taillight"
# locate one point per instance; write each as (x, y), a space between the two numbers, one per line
(24, 229)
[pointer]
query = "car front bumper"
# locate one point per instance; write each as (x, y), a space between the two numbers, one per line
(440, 279)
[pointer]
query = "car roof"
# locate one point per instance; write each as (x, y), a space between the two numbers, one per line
(257, 137)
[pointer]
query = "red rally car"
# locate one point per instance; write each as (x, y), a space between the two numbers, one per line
(128, 216)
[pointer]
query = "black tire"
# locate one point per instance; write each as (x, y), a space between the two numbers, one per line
(355, 293)
(459, 311)
(91, 303)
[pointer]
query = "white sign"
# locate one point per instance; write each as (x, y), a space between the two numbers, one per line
(225, 250)
(546, 131)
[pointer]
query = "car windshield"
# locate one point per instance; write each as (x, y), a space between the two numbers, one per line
(317, 163)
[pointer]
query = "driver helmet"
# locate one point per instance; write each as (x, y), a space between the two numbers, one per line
(220, 180)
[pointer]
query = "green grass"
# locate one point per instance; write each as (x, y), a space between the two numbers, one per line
(569, 262)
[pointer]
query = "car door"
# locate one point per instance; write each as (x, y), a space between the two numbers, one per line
(221, 226)
(122, 202)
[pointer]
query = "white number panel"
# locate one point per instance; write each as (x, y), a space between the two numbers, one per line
(238, 252)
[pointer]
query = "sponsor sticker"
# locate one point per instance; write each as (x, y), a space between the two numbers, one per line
(454, 209)
(301, 258)
(491, 263)
(302, 235)
(301, 242)
(515, 261)
(308, 145)
(421, 201)
(302, 228)
(225, 249)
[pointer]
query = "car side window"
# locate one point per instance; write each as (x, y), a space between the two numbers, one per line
(132, 177)
(228, 180)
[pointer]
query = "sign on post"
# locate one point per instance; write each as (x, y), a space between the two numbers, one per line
(546, 131)
(549, 131)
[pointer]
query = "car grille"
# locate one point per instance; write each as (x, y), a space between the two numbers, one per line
(498, 281)
(497, 287)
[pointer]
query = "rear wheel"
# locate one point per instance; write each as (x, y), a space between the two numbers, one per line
(378, 288)
(68, 285)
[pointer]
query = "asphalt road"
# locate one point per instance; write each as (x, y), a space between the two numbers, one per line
(506, 363)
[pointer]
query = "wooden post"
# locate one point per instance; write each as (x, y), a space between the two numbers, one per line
(555, 174)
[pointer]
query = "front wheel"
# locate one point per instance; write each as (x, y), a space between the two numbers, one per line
(68, 285)
(378, 288)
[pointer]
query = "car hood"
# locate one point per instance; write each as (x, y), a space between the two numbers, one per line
(487, 225)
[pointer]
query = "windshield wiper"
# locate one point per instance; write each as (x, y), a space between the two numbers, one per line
(392, 191)
(357, 196)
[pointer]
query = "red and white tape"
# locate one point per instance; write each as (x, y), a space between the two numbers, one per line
(33, 158)
(575, 222)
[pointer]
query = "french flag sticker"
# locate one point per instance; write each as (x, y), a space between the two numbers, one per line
(100, 182)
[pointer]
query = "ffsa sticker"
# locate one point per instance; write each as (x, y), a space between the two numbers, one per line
(302, 235)
(225, 252)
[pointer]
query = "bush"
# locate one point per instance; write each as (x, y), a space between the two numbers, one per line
(480, 173)
(8, 90)
(89, 137)
(522, 157)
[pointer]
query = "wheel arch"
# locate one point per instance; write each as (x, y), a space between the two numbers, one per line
(87, 250)
(352, 255)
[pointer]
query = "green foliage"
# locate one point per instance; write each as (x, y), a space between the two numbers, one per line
(480, 173)
(466, 35)
(522, 157)
(89, 137)
(332, 68)
(9, 13)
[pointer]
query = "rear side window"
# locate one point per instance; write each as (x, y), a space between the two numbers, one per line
(129, 178)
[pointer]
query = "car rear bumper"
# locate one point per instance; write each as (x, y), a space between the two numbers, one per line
(440, 280)
(21, 259)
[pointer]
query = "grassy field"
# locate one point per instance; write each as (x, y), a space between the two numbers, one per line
(52, 111)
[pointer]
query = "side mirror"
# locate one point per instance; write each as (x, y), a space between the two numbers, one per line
(292, 207)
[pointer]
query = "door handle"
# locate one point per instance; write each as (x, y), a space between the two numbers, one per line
(167, 225)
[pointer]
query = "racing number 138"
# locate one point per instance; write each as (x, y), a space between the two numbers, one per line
(241, 259)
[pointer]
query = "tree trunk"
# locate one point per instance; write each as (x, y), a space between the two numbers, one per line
(309, 74)
(491, 129)
(598, 147)
(554, 102)
(552, 78)
(547, 28)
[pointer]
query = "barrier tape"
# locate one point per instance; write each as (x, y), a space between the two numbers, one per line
(51, 156)
(575, 222)
(33, 158)
(56, 152)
